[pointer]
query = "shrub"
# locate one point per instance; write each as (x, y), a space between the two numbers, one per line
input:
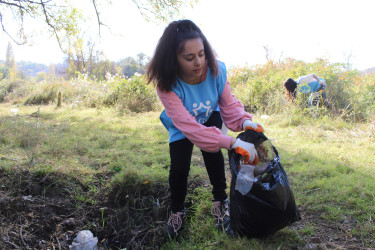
(12, 89)
(133, 94)
(83, 91)
(125, 94)
(260, 88)
(363, 100)
(3, 93)
(45, 93)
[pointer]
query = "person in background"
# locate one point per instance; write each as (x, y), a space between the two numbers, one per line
(306, 84)
(193, 88)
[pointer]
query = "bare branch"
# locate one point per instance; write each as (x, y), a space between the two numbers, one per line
(17, 4)
(12, 4)
(52, 14)
(97, 14)
(4, 74)
(52, 26)
(6, 32)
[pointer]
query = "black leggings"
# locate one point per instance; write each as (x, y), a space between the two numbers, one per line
(180, 153)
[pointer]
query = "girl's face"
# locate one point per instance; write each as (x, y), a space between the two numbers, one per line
(191, 61)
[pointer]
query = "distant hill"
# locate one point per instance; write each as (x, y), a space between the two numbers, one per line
(30, 68)
(369, 71)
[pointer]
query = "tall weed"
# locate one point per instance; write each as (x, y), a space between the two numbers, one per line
(260, 88)
(45, 93)
(133, 94)
(13, 90)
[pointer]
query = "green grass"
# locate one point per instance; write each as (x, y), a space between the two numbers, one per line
(93, 152)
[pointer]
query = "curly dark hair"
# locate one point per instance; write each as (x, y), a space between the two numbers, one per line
(163, 67)
(290, 86)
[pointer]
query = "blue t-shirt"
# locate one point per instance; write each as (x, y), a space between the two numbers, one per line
(200, 99)
(308, 84)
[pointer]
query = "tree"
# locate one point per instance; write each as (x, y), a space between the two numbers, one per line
(51, 70)
(130, 66)
(10, 63)
(62, 18)
(3, 71)
(141, 58)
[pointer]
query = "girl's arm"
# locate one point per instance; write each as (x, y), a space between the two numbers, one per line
(232, 111)
(209, 139)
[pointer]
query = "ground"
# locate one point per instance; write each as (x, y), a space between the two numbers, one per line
(32, 218)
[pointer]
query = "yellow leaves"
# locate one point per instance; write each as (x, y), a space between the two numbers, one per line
(162, 10)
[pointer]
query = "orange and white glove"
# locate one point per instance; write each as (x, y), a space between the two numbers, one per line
(247, 150)
(247, 124)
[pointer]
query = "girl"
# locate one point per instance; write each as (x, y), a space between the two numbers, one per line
(193, 88)
(308, 84)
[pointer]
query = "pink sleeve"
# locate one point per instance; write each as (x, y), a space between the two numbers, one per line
(232, 111)
(209, 139)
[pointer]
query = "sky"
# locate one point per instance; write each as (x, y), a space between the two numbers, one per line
(238, 30)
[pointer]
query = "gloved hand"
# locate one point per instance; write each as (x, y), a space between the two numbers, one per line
(322, 84)
(247, 150)
(247, 124)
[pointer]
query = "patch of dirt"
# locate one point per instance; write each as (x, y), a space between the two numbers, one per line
(328, 235)
(33, 218)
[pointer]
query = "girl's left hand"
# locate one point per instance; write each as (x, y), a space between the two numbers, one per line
(247, 124)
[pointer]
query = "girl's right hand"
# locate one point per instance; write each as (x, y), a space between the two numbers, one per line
(247, 150)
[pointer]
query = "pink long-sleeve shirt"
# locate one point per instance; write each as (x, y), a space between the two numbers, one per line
(208, 139)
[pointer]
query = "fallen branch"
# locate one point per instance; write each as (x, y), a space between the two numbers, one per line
(58, 243)
(12, 244)
(23, 242)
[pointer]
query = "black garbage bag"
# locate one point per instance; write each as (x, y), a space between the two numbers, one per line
(269, 205)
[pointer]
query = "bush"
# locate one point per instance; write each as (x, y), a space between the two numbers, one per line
(261, 89)
(44, 94)
(363, 101)
(3, 93)
(133, 94)
(125, 94)
(10, 89)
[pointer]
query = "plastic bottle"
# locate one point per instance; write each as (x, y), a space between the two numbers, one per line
(84, 241)
(245, 179)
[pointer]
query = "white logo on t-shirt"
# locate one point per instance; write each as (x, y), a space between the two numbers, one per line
(196, 108)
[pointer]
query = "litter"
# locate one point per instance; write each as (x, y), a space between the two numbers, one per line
(262, 202)
(84, 241)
